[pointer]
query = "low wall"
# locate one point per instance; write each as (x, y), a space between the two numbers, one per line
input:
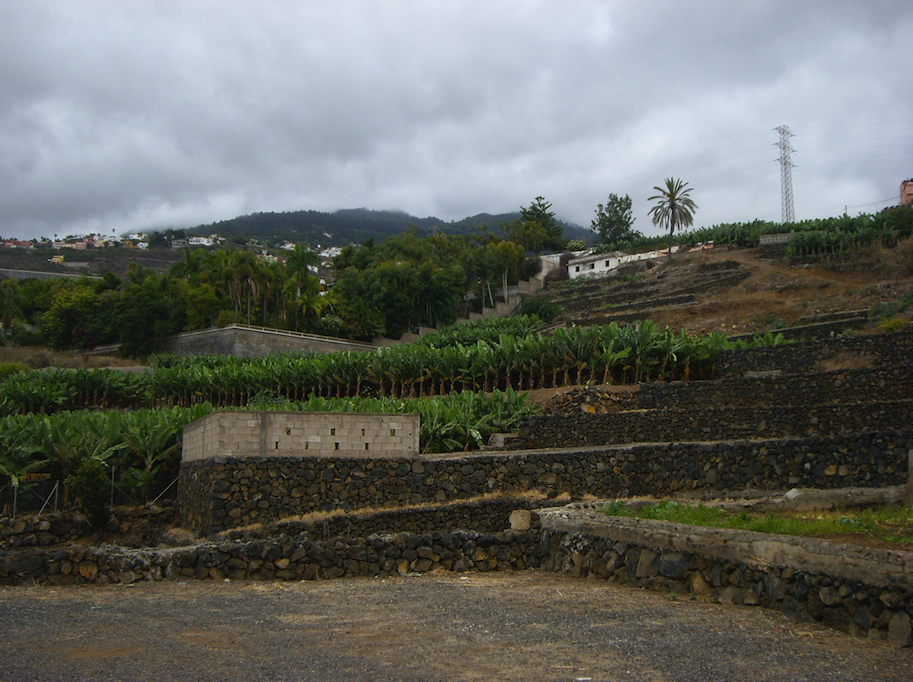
(252, 342)
(282, 558)
(877, 351)
(866, 592)
(222, 493)
(711, 423)
(134, 525)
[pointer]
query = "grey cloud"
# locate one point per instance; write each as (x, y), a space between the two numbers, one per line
(143, 114)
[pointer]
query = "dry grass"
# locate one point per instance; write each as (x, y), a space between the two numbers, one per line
(777, 293)
(40, 358)
(532, 496)
(846, 360)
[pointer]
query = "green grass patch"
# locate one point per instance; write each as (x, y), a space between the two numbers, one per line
(890, 524)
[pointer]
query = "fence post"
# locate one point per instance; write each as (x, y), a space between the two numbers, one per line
(910, 477)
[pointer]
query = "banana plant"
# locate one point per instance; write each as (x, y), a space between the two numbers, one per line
(18, 450)
(151, 438)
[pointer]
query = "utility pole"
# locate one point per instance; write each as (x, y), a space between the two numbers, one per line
(787, 213)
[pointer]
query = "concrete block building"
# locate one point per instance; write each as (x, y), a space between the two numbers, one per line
(301, 434)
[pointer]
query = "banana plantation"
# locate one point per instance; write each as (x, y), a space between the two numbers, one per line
(607, 354)
(52, 421)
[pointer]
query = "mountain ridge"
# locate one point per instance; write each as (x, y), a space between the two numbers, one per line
(357, 225)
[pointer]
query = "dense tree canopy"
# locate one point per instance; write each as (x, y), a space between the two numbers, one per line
(614, 221)
(537, 229)
(387, 288)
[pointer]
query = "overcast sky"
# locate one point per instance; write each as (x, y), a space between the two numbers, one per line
(136, 115)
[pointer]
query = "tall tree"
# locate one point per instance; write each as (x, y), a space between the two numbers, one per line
(10, 307)
(538, 213)
(614, 221)
(674, 207)
(508, 256)
(527, 233)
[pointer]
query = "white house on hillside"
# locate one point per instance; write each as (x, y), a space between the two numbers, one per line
(602, 264)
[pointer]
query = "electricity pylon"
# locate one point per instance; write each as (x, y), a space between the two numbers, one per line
(787, 213)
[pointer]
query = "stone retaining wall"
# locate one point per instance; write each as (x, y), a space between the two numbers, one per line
(279, 558)
(866, 592)
(711, 423)
(141, 525)
(222, 493)
(837, 386)
(484, 516)
(863, 592)
(876, 351)
(820, 331)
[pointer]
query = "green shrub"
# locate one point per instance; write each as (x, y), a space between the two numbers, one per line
(23, 337)
(542, 308)
(892, 324)
(8, 368)
(89, 485)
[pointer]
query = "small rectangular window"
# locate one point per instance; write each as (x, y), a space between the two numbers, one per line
(277, 445)
(362, 432)
(607, 264)
(366, 446)
(332, 432)
(576, 268)
(392, 432)
(306, 445)
(335, 446)
(288, 431)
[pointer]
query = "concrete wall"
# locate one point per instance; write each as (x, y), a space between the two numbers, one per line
(248, 342)
(301, 434)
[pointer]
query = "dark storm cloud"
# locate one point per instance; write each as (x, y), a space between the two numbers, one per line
(136, 115)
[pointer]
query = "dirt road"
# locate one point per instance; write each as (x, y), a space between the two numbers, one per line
(520, 626)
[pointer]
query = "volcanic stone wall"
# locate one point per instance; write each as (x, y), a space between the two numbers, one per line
(490, 515)
(280, 558)
(711, 423)
(876, 351)
(853, 606)
(134, 524)
(223, 493)
(837, 386)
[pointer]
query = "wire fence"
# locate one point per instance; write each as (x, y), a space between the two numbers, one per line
(38, 497)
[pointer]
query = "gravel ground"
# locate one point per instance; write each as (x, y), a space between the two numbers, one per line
(517, 626)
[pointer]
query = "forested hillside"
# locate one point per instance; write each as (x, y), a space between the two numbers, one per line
(356, 226)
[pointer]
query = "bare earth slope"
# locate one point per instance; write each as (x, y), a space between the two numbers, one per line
(739, 291)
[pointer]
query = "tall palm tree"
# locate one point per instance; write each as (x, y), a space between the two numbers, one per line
(674, 208)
